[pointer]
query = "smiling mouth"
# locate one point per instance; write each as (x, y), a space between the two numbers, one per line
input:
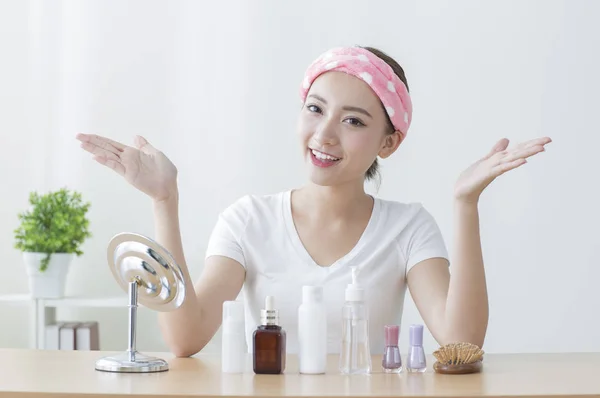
(322, 160)
(323, 156)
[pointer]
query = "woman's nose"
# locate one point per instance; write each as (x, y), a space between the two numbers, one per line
(325, 133)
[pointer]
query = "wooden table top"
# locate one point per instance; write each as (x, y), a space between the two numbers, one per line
(39, 373)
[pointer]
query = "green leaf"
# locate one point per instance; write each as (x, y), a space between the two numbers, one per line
(55, 223)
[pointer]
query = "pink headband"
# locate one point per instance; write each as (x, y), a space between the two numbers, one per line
(371, 69)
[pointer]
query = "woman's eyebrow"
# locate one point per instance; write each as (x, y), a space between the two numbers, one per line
(357, 109)
(346, 108)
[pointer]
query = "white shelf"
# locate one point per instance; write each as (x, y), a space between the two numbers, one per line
(15, 298)
(72, 301)
(88, 302)
(43, 311)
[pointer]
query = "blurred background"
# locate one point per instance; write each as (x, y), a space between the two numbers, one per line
(214, 85)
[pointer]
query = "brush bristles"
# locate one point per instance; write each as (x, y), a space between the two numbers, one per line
(458, 353)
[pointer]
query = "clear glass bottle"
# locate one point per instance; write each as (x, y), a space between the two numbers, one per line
(416, 361)
(355, 354)
(391, 361)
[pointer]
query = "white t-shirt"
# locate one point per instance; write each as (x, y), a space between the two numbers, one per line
(259, 233)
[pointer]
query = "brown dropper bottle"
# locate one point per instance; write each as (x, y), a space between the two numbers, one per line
(269, 342)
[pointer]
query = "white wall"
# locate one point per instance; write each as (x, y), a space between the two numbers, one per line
(214, 84)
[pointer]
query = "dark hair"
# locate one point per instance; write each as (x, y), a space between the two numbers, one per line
(373, 171)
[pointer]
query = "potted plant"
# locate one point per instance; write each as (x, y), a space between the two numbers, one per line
(50, 235)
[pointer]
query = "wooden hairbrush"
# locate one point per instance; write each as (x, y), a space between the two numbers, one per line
(458, 358)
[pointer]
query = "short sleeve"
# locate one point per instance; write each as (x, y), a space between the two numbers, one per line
(226, 237)
(426, 240)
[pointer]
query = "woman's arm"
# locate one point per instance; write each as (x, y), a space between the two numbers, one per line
(455, 308)
(189, 328)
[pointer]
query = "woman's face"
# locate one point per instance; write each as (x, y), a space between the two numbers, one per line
(343, 128)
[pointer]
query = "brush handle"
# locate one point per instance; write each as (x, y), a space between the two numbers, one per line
(460, 369)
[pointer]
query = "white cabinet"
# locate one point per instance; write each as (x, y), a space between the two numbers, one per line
(43, 311)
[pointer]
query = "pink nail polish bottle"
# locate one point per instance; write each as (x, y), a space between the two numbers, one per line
(392, 361)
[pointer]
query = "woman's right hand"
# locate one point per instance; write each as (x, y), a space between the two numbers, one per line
(143, 166)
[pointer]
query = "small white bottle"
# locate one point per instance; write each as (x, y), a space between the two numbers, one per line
(233, 338)
(312, 331)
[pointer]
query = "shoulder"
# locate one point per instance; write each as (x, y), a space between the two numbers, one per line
(251, 215)
(254, 202)
(415, 230)
(405, 220)
(252, 205)
(404, 212)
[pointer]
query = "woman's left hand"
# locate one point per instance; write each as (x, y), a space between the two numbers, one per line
(478, 176)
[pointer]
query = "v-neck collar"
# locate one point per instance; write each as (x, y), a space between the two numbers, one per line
(301, 249)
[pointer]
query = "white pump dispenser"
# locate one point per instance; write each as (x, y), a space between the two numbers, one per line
(354, 292)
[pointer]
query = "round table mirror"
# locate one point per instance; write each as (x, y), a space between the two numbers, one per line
(152, 278)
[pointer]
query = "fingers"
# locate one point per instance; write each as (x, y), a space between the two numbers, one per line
(498, 147)
(540, 141)
(143, 145)
(504, 167)
(116, 166)
(508, 160)
(98, 151)
(522, 154)
(502, 145)
(139, 141)
(537, 141)
(102, 142)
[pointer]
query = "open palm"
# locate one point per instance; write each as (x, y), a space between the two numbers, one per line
(143, 166)
(479, 175)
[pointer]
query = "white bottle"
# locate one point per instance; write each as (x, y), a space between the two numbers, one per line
(233, 338)
(312, 331)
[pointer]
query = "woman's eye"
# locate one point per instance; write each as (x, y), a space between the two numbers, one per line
(313, 108)
(355, 122)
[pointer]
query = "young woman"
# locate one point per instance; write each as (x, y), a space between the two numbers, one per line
(356, 108)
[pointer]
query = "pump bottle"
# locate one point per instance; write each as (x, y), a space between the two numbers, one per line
(355, 354)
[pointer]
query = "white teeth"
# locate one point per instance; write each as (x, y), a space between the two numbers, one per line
(323, 156)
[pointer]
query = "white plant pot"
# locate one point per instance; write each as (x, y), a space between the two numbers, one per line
(49, 283)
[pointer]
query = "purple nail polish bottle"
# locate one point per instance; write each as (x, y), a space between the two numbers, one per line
(392, 361)
(416, 361)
